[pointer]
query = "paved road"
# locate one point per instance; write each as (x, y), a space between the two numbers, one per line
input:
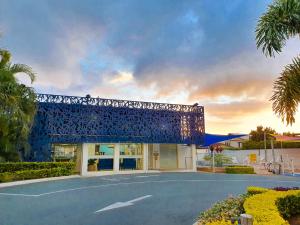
(144, 199)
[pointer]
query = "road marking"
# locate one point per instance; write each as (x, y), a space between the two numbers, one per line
(142, 176)
(146, 182)
(122, 204)
(110, 179)
(13, 194)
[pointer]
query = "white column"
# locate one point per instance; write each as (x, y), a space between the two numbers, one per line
(84, 159)
(194, 157)
(117, 158)
(145, 163)
(156, 149)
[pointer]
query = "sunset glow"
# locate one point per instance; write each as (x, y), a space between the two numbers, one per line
(177, 52)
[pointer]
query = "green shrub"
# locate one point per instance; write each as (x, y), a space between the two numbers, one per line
(223, 210)
(252, 190)
(19, 166)
(220, 159)
(289, 206)
(34, 174)
(6, 177)
(239, 169)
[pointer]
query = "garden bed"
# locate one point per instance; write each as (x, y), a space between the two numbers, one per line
(278, 206)
(210, 170)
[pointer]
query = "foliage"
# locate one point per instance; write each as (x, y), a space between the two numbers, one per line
(277, 25)
(18, 166)
(220, 159)
(258, 134)
(277, 144)
(289, 205)
(285, 188)
(263, 208)
(92, 162)
(223, 211)
(239, 169)
(34, 174)
(252, 190)
(221, 222)
(17, 108)
(286, 94)
(216, 147)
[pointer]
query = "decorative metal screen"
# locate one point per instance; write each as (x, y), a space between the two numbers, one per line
(69, 119)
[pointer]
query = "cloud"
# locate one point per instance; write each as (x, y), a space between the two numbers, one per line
(236, 110)
(168, 51)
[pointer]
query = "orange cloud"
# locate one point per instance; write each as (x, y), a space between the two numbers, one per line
(236, 110)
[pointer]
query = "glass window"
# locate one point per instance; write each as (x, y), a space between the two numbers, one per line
(131, 164)
(131, 157)
(131, 149)
(101, 149)
(100, 157)
(64, 152)
(98, 164)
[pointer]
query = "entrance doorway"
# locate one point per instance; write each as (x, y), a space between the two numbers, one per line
(168, 156)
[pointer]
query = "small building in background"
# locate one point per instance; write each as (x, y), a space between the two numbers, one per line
(236, 142)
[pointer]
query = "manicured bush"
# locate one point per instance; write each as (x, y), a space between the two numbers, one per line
(19, 166)
(239, 169)
(263, 207)
(289, 206)
(223, 211)
(251, 190)
(34, 174)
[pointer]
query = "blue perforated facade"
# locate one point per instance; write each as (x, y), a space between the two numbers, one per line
(69, 119)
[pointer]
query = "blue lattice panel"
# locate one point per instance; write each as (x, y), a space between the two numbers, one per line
(65, 119)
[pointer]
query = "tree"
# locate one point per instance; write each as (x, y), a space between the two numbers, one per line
(258, 134)
(275, 27)
(17, 108)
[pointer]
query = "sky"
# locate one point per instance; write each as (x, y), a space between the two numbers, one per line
(170, 51)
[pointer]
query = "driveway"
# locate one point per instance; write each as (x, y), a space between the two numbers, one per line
(140, 199)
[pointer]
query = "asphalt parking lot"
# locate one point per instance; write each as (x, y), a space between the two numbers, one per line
(140, 199)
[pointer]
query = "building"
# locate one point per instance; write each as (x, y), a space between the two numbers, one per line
(116, 136)
(236, 142)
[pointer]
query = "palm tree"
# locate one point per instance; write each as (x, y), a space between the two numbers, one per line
(17, 108)
(280, 23)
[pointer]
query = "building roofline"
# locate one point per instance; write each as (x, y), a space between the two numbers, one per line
(78, 100)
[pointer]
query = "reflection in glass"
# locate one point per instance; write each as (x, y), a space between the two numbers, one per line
(131, 149)
(64, 152)
(131, 164)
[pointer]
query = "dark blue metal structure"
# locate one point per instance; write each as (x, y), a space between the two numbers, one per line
(71, 119)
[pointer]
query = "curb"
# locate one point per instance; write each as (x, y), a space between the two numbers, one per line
(22, 182)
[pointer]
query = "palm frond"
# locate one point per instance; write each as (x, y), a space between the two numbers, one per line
(286, 92)
(5, 57)
(22, 68)
(279, 23)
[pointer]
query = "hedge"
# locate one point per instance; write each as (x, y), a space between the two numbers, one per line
(239, 169)
(263, 207)
(19, 166)
(251, 190)
(34, 174)
(289, 206)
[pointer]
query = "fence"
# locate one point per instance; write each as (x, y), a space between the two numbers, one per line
(288, 158)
